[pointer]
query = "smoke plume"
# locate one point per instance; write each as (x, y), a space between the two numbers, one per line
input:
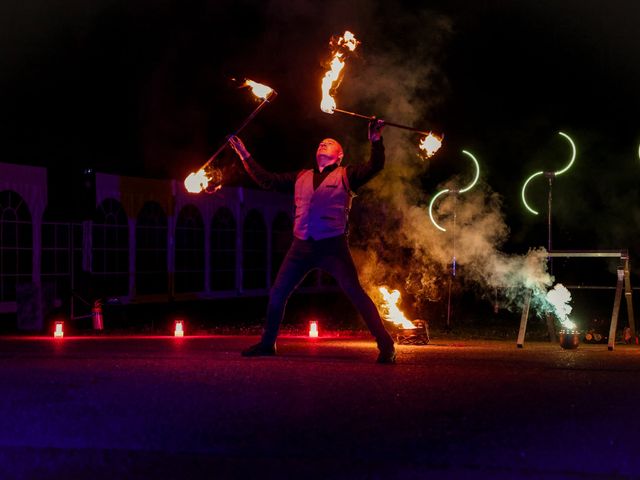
(394, 241)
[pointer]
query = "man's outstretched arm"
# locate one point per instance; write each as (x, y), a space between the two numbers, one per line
(262, 177)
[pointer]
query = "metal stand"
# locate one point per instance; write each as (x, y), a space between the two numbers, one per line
(623, 284)
(453, 259)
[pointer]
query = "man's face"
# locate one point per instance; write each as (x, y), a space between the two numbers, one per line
(329, 152)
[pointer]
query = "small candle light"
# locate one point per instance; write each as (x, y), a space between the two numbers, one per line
(179, 329)
(59, 332)
(313, 329)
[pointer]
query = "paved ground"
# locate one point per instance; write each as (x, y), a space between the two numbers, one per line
(145, 407)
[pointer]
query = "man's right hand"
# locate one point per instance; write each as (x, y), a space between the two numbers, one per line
(239, 147)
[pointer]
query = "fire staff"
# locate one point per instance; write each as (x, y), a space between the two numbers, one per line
(322, 200)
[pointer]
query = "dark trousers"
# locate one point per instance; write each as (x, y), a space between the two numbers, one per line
(331, 255)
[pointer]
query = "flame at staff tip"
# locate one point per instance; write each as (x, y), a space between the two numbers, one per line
(430, 144)
(392, 312)
(332, 78)
(559, 298)
(258, 89)
(196, 182)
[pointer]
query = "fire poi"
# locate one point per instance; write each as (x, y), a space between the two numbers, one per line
(208, 179)
(341, 47)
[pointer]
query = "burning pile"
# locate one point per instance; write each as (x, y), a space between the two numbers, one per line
(407, 332)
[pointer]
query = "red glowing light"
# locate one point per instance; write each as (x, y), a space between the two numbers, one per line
(313, 329)
(59, 332)
(179, 330)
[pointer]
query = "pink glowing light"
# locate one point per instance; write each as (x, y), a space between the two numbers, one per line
(313, 329)
(59, 331)
(179, 329)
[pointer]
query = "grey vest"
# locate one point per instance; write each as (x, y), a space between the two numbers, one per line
(322, 213)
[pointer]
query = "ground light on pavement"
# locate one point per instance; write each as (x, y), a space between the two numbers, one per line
(192, 407)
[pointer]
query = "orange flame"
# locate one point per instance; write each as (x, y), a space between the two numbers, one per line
(196, 182)
(391, 311)
(258, 89)
(331, 80)
(430, 144)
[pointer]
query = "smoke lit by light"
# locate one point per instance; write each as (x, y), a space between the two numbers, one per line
(559, 298)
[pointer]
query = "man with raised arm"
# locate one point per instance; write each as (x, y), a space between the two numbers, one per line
(322, 201)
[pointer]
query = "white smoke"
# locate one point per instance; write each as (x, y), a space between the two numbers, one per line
(559, 298)
(394, 241)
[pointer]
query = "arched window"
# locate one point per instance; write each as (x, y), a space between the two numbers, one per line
(254, 251)
(151, 250)
(281, 237)
(189, 276)
(110, 252)
(16, 244)
(223, 250)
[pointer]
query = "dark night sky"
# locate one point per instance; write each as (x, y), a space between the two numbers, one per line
(143, 88)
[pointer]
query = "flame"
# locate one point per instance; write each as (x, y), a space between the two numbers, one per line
(258, 89)
(430, 144)
(196, 182)
(331, 80)
(392, 312)
(559, 298)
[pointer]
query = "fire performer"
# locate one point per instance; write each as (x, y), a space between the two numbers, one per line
(322, 199)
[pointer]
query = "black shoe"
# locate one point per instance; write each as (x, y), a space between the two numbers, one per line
(259, 350)
(388, 356)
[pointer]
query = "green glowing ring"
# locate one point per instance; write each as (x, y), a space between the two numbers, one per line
(638, 151)
(524, 187)
(433, 200)
(466, 189)
(573, 154)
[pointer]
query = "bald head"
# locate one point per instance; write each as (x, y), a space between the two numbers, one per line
(329, 152)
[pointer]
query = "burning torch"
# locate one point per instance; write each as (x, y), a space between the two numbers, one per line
(341, 48)
(208, 180)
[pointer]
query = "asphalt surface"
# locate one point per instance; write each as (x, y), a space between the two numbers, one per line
(152, 407)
